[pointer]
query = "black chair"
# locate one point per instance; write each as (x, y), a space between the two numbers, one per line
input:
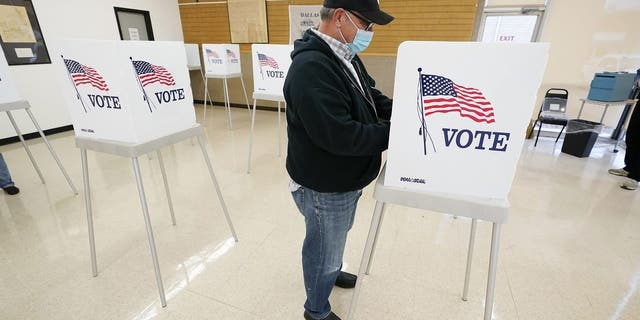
(553, 111)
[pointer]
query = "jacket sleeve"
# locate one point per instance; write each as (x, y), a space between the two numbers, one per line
(323, 107)
(382, 102)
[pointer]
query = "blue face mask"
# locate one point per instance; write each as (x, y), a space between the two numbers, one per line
(361, 41)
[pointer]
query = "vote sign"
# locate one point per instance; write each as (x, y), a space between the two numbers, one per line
(127, 91)
(460, 113)
(221, 59)
(270, 65)
(8, 92)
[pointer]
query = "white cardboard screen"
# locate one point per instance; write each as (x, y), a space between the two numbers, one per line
(221, 59)
(127, 91)
(473, 100)
(8, 91)
(270, 66)
(193, 55)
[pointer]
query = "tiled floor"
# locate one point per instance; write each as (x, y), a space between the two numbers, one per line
(571, 249)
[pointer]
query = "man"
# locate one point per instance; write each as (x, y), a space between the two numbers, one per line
(631, 169)
(338, 126)
(5, 178)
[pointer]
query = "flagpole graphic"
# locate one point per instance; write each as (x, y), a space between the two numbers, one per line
(262, 74)
(144, 93)
(423, 128)
(74, 85)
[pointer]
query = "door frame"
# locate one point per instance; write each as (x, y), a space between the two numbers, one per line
(147, 20)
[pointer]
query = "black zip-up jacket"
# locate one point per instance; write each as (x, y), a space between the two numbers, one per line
(336, 135)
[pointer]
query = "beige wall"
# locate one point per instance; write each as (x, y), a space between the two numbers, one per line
(589, 36)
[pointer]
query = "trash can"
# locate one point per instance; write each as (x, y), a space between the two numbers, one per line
(580, 137)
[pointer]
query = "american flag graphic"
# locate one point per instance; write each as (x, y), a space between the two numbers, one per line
(265, 60)
(441, 95)
(212, 54)
(149, 73)
(230, 54)
(82, 74)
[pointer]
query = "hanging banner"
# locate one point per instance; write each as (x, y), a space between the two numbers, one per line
(221, 59)
(270, 65)
(302, 18)
(8, 91)
(458, 124)
(193, 55)
(126, 91)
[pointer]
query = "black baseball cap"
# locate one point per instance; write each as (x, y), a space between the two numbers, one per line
(369, 9)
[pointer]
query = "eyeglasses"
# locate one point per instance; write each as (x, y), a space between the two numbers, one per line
(369, 23)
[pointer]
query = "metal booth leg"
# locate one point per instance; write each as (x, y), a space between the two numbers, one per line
(366, 256)
(279, 131)
(375, 239)
(53, 153)
(493, 267)
(24, 144)
(87, 204)
(147, 222)
(246, 98)
(206, 90)
(253, 119)
(227, 103)
(215, 183)
(467, 276)
(166, 186)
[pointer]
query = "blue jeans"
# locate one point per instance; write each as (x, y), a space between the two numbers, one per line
(328, 218)
(5, 177)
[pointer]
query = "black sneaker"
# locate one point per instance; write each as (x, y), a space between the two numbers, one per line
(346, 280)
(11, 190)
(331, 316)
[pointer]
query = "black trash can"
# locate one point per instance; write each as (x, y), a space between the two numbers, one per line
(580, 137)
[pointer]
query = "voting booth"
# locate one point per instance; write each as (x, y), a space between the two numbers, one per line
(10, 100)
(460, 112)
(465, 128)
(126, 91)
(222, 61)
(193, 63)
(129, 99)
(270, 66)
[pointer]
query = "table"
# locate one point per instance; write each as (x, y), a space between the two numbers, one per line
(491, 210)
(24, 105)
(606, 105)
(133, 151)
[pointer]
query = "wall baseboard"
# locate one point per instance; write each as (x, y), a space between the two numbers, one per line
(241, 106)
(35, 135)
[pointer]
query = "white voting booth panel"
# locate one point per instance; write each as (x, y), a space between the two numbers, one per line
(128, 91)
(221, 59)
(460, 114)
(193, 56)
(8, 91)
(270, 65)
